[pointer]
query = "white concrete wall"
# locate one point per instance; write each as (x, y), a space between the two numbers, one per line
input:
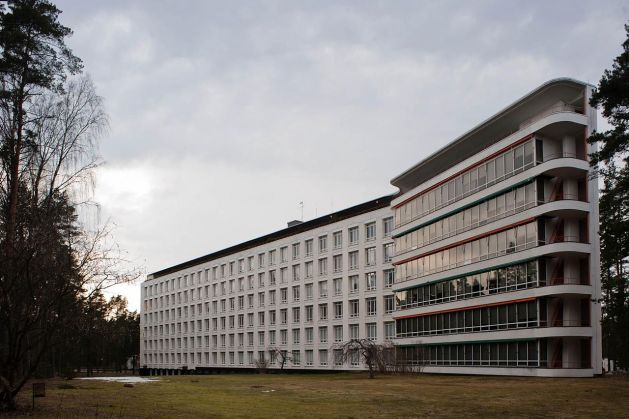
(150, 329)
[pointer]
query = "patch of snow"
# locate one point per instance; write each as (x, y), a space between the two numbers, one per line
(132, 380)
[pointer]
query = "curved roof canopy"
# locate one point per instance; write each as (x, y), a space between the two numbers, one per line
(494, 129)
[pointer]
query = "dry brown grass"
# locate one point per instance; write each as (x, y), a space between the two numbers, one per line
(335, 395)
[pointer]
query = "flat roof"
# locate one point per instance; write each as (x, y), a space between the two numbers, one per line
(341, 215)
(502, 124)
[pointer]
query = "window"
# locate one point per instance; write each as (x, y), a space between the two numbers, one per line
(389, 278)
(338, 333)
(323, 357)
(308, 288)
(296, 358)
(470, 252)
(296, 292)
(296, 336)
(283, 274)
(309, 334)
(323, 289)
(308, 314)
(323, 334)
(323, 266)
(370, 231)
(389, 303)
(283, 337)
(338, 239)
(353, 260)
(283, 295)
(338, 263)
(338, 310)
(272, 297)
(323, 244)
(261, 260)
(371, 306)
(271, 257)
(338, 286)
(283, 254)
(308, 266)
(353, 235)
(509, 163)
(295, 251)
(296, 272)
(371, 331)
(370, 281)
(338, 357)
(388, 252)
(389, 330)
(309, 247)
(354, 331)
(370, 256)
(284, 316)
(323, 311)
(309, 357)
(261, 280)
(353, 284)
(250, 263)
(272, 278)
(354, 308)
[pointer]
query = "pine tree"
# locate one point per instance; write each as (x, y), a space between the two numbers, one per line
(611, 161)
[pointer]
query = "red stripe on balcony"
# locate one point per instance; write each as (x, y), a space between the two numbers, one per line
(448, 179)
(489, 233)
(502, 303)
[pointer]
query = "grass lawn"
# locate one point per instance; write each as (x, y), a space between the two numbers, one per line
(334, 395)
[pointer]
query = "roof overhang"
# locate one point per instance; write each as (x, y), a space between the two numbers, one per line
(494, 129)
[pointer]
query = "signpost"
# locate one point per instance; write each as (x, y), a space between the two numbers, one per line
(39, 390)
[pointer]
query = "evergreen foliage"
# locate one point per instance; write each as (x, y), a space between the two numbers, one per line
(611, 161)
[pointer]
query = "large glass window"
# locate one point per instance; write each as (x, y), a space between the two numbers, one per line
(472, 180)
(510, 316)
(495, 208)
(486, 282)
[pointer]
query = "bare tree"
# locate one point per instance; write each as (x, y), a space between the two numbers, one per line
(282, 356)
(262, 365)
(51, 259)
(399, 362)
(373, 355)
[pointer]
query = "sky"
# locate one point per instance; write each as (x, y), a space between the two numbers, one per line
(225, 115)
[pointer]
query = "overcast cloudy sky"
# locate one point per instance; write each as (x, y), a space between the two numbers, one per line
(226, 114)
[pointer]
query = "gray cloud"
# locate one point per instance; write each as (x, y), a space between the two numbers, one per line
(226, 114)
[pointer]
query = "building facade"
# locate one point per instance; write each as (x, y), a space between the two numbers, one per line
(485, 262)
(497, 249)
(301, 291)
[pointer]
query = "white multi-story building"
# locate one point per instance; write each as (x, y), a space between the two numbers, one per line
(497, 247)
(300, 290)
(485, 262)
